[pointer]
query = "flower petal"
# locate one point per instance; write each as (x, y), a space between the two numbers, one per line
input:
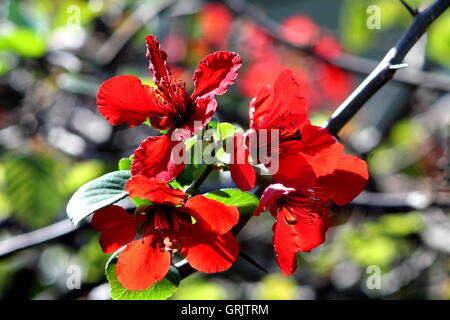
(212, 215)
(124, 99)
(285, 245)
(326, 161)
(287, 101)
(215, 73)
(270, 195)
(116, 226)
(208, 252)
(241, 170)
(347, 181)
(289, 239)
(315, 139)
(259, 107)
(157, 58)
(141, 264)
(155, 158)
(155, 190)
(294, 170)
(205, 108)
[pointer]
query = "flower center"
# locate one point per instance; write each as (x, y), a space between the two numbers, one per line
(305, 206)
(163, 222)
(173, 100)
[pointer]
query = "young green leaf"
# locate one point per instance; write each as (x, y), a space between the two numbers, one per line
(124, 164)
(244, 201)
(97, 194)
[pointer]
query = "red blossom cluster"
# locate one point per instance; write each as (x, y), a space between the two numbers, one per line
(313, 171)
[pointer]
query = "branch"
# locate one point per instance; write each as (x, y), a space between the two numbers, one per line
(345, 61)
(27, 240)
(195, 186)
(386, 68)
(398, 202)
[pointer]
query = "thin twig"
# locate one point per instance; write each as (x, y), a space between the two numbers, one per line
(28, 240)
(411, 10)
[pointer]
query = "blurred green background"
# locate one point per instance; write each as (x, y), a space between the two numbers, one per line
(54, 55)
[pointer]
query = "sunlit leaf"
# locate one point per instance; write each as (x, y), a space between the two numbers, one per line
(97, 194)
(244, 201)
(124, 164)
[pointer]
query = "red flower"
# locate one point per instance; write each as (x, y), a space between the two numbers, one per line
(302, 215)
(305, 152)
(299, 30)
(124, 99)
(215, 24)
(166, 224)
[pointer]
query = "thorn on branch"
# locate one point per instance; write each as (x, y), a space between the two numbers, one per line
(412, 11)
(398, 66)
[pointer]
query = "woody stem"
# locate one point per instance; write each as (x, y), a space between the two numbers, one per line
(195, 186)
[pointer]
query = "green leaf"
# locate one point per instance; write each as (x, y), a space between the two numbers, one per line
(158, 291)
(124, 164)
(97, 194)
(32, 190)
(244, 201)
(225, 130)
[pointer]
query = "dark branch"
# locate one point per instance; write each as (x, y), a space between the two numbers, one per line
(384, 72)
(24, 241)
(398, 202)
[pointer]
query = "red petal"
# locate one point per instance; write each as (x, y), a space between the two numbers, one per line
(259, 107)
(204, 111)
(347, 181)
(287, 100)
(241, 170)
(315, 139)
(326, 161)
(142, 264)
(116, 227)
(289, 239)
(208, 252)
(285, 245)
(270, 196)
(212, 215)
(294, 170)
(157, 59)
(157, 191)
(154, 159)
(124, 99)
(215, 73)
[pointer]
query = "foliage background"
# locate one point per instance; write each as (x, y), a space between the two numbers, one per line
(52, 140)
